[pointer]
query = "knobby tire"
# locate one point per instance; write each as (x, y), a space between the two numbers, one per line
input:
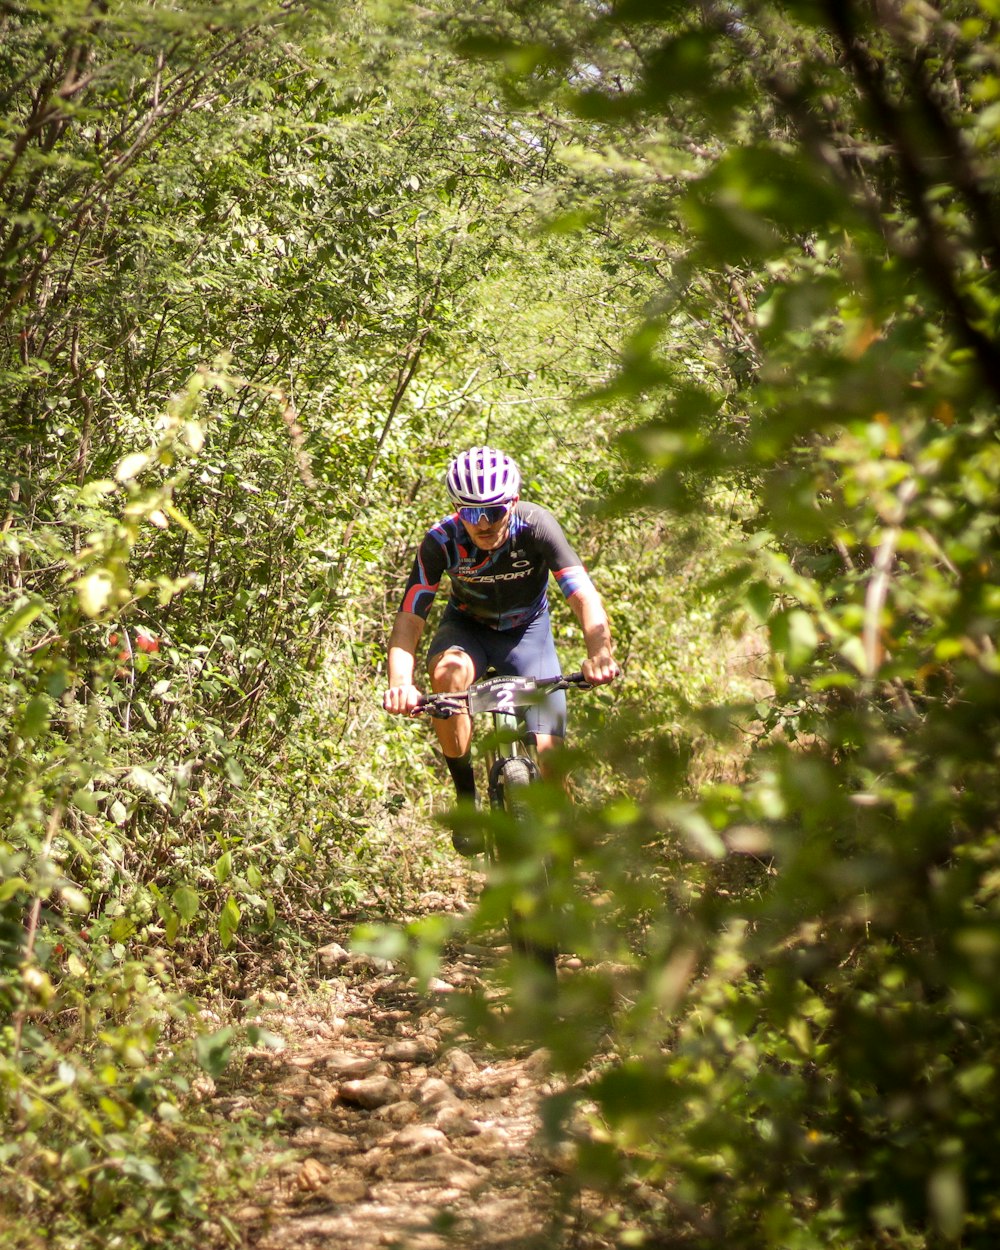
(516, 774)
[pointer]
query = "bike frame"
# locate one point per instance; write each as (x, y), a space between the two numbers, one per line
(501, 696)
(508, 740)
(511, 768)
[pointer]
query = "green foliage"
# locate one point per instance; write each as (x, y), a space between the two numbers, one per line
(804, 1029)
(260, 273)
(257, 273)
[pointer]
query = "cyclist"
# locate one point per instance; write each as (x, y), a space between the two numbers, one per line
(498, 552)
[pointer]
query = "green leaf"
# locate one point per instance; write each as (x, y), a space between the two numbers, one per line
(132, 466)
(681, 64)
(149, 782)
(234, 771)
(85, 801)
(75, 899)
(213, 1051)
(95, 592)
(35, 717)
(122, 928)
(186, 902)
(20, 617)
(946, 1199)
(853, 650)
(77, 1158)
(229, 920)
(695, 828)
(11, 887)
(384, 941)
(144, 1170)
(759, 598)
(794, 635)
(634, 1090)
(258, 1036)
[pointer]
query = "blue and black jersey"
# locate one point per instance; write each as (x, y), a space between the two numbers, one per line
(504, 589)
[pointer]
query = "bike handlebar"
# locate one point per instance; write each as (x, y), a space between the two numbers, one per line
(454, 703)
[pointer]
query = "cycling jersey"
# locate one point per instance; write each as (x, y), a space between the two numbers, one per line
(503, 589)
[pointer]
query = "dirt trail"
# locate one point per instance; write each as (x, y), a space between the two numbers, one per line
(394, 1134)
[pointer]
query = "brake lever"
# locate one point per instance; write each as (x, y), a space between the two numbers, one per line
(441, 707)
(574, 679)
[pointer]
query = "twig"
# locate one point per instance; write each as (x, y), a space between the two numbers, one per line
(878, 587)
(55, 820)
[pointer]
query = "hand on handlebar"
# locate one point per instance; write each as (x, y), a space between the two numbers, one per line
(402, 700)
(600, 669)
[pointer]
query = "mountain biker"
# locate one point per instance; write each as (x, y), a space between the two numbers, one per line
(498, 552)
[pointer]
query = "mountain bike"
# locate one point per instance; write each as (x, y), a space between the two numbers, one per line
(511, 767)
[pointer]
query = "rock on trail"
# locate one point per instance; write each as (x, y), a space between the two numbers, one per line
(392, 1135)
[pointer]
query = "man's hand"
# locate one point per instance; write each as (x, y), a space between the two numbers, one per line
(401, 700)
(600, 669)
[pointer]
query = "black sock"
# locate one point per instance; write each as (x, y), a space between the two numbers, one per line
(462, 775)
(466, 842)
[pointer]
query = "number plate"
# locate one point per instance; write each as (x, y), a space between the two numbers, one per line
(501, 694)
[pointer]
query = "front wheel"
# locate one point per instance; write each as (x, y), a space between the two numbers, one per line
(513, 776)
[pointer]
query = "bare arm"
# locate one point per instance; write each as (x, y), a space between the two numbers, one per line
(402, 695)
(599, 667)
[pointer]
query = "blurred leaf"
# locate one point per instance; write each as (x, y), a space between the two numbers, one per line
(793, 634)
(20, 617)
(258, 1036)
(35, 717)
(95, 592)
(132, 466)
(213, 1051)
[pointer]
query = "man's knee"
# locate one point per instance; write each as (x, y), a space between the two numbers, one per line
(451, 670)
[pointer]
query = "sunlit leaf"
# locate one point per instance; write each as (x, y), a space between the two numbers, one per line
(95, 592)
(229, 921)
(131, 466)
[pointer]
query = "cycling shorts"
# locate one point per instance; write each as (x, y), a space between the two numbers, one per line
(527, 651)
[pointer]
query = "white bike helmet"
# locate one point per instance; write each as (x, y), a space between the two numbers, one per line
(483, 475)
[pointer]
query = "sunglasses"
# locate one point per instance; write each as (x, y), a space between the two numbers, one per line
(491, 515)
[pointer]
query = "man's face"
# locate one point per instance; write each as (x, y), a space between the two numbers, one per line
(487, 535)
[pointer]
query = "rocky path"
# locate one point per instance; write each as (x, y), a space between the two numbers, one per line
(393, 1133)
